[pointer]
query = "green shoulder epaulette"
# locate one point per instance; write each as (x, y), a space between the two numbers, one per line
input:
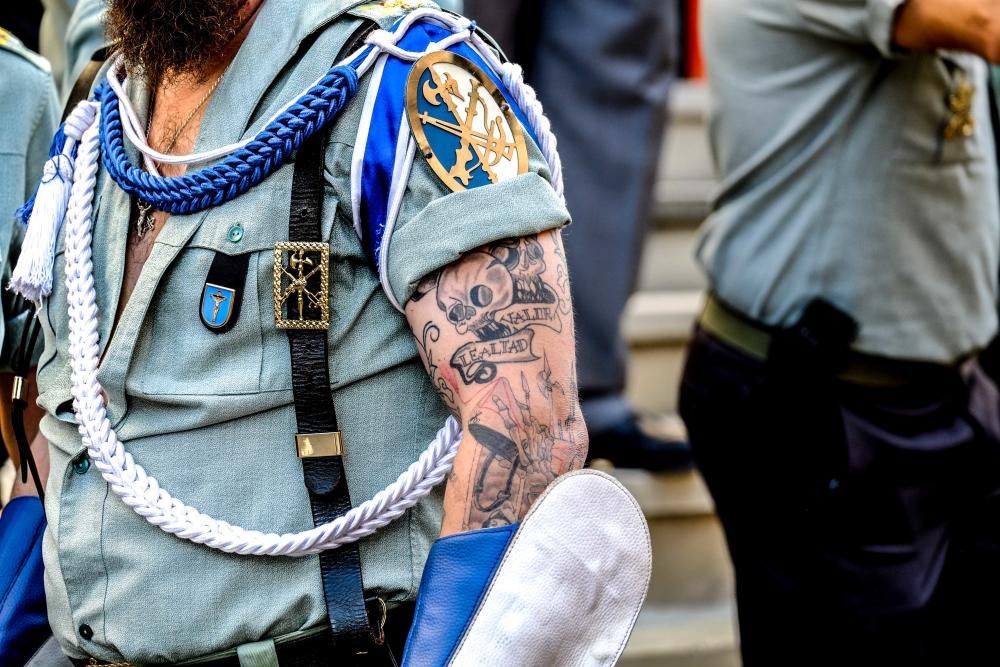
(8, 42)
(386, 12)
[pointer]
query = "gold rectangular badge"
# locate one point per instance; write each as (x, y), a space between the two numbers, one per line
(302, 285)
(316, 445)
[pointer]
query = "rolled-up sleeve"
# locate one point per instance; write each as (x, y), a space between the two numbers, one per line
(857, 21)
(436, 227)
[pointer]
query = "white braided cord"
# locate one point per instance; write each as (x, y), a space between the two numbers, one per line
(527, 99)
(126, 478)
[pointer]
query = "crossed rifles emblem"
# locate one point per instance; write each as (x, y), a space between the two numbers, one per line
(299, 285)
(485, 141)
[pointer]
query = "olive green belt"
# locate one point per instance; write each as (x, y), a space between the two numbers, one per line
(754, 340)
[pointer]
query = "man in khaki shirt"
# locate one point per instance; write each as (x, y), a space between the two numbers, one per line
(853, 259)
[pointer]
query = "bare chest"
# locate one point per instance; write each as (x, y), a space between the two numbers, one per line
(141, 241)
(138, 250)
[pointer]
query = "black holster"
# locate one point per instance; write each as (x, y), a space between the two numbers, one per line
(817, 346)
(803, 364)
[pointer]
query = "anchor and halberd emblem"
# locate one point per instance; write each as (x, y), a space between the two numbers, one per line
(463, 124)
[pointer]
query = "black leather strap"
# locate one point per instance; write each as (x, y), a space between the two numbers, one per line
(20, 365)
(85, 81)
(314, 412)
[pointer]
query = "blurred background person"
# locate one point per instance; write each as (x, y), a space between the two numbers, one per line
(603, 70)
(52, 35)
(852, 256)
(72, 33)
(30, 111)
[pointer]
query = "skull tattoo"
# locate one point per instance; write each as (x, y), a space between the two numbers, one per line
(525, 260)
(472, 293)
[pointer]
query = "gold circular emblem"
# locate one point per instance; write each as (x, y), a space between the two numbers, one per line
(464, 125)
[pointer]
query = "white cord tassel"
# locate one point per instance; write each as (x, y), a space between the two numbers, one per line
(32, 277)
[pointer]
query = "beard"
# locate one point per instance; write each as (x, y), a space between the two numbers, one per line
(171, 38)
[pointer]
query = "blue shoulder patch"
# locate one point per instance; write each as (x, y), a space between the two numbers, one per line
(380, 164)
(464, 125)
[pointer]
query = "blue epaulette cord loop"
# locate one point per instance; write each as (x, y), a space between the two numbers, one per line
(226, 180)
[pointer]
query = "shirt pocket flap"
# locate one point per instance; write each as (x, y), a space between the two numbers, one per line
(248, 223)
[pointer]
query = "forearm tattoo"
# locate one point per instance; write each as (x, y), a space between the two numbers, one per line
(504, 308)
(524, 447)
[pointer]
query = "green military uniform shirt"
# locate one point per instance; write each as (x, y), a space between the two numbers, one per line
(854, 172)
(211, 415)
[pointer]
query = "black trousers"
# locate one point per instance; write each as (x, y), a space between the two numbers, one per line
(863, 523)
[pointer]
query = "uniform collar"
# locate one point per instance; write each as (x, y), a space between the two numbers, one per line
(275, 40)
(261, 79)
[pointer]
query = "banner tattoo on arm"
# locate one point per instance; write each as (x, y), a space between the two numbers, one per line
(498, 295)
(497, 299)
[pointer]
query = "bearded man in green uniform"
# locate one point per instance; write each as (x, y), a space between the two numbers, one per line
(423, 285)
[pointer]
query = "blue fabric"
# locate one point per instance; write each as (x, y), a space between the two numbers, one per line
(222, 182)
(383, 134)
(23, 622)
(58, 143)
(241, 170)
(457, 575)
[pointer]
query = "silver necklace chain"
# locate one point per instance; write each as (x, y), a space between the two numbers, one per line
(146, 221)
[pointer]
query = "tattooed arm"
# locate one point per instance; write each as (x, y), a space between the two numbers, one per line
(495, 331)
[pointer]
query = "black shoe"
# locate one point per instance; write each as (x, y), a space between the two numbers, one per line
(625, 445)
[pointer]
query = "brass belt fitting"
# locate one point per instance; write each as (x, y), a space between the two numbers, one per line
(316, 445)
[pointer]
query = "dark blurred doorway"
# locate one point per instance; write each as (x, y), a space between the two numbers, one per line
(23, 19)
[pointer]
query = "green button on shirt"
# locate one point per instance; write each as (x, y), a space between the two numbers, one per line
(211, 416)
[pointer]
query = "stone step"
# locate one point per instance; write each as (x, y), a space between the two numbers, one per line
(684, 636)
(686, 177)
(657, 326)
(691, 563)
(668, 261)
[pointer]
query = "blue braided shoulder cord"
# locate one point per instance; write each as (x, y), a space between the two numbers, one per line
(237, 173)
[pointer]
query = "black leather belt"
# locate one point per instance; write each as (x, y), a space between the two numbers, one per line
(317, 649)
(306, 316)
